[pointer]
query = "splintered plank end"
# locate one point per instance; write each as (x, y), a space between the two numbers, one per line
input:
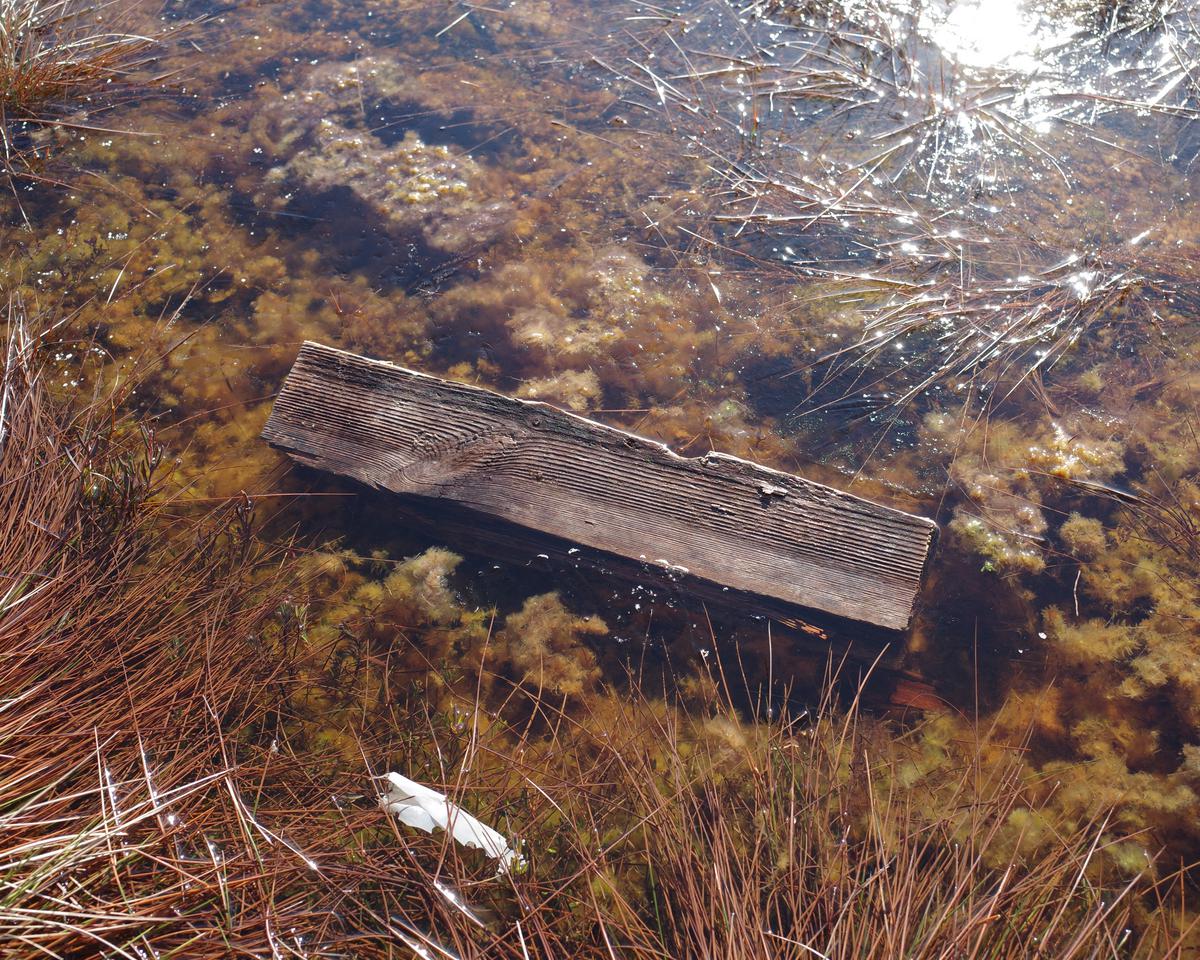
(722, 519)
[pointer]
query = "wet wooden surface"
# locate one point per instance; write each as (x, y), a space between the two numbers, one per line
(716, 518)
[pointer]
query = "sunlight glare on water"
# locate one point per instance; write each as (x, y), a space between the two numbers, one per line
(991, 34)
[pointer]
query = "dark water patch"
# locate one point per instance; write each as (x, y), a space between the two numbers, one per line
(471, 346)
(390, 121)
(983, 627)
(771, 388)
(353, 240)
(235, 84)
(834, 407)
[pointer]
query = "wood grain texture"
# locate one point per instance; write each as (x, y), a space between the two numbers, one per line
(724, 519)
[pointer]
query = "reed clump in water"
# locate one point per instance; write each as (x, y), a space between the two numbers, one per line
(140, 642)
(63, 56)
(858, 149)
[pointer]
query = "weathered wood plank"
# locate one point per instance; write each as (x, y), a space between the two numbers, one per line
(724, 519)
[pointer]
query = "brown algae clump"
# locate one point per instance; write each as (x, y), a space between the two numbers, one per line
(1004, 470)
(543, 642)
(418, 188)
(577, 390)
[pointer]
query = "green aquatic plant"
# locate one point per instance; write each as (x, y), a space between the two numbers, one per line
(577, 390)
(1084, 537)
(1006, 471)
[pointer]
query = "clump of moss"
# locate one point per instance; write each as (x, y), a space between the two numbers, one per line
(1004, 471)
(1090, 642)
(1069, 451)
(420, 188)
(1091, 381)
(1008, 549)
(1083, 536)
(543, 642)
(421, 584)
(577, 390)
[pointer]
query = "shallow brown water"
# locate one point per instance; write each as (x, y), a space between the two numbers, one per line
(914, 255)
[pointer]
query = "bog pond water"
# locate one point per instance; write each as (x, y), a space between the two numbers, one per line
(941, 255)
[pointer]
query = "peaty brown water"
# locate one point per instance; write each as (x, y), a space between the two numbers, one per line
(941, 255)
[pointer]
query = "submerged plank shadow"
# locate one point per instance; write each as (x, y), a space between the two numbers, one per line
(724, 520)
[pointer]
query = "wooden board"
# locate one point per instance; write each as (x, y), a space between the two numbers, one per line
(719, 518)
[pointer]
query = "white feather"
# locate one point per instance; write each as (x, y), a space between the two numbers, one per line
(425, 809)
